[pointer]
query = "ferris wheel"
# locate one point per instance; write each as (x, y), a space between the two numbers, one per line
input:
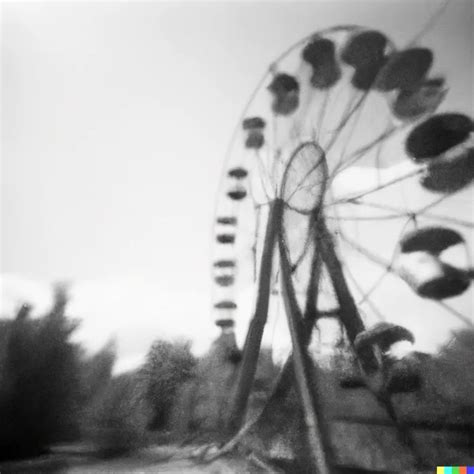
(344, 195)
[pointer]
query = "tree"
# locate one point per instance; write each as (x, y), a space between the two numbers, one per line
(167, 367)
(40, 381)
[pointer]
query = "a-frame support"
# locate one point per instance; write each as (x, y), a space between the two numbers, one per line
(257, 325)
(317, 437)
(348, 312)
(299, 367)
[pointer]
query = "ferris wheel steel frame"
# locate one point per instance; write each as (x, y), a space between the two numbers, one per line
(298, 368)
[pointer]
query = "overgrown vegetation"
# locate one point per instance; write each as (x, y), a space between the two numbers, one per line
(52, 392)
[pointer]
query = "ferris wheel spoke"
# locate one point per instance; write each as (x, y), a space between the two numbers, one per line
(376, 205)
(452, 220)
(359, 153)
(275, 158)
(367, 218)
(308, 186)
(385, 263)
(378, 154)
(380, 187)
(386, 270)
(430, 23)
(385, 207)
(437, 201)
(263, 173)
(419, 213)
(305, 177)
(395, 212)
(251, 191)
(256, 238)
(304, 252)
(376, 259)
(351, 109)
(355, 123)
(375, 285)
(364, 294)
(322, 114)
(456, 313)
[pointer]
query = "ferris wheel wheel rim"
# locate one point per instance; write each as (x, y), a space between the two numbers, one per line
(271, 70)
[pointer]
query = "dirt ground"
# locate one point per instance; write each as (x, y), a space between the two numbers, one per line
(162, 459)
(172, 466)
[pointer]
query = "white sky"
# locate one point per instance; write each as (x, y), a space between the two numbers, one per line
(115, 119)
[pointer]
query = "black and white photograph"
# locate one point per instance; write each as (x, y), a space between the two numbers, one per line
(237, 237)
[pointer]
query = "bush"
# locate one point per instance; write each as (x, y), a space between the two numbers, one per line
(168, 366)
(116, 419)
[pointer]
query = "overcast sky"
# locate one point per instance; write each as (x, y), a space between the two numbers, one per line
(115, 120)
